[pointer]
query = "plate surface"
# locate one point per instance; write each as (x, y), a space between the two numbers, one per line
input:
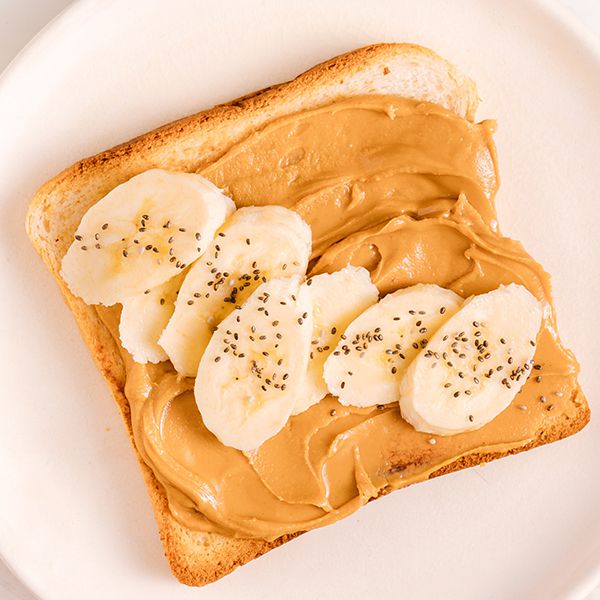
(75, 521)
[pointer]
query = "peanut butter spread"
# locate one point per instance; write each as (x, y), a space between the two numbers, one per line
(406, 190)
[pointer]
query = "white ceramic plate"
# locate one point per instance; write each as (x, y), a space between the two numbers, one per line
(74, 518)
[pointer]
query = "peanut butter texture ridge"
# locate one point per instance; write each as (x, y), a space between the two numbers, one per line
(405, 189)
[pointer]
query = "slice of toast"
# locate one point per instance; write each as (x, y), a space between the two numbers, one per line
(189, 144)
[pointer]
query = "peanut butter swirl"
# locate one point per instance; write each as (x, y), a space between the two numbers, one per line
(406, 190)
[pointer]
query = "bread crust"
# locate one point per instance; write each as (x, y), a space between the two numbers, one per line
(197, 558)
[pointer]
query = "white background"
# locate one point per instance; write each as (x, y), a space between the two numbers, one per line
(20, 20)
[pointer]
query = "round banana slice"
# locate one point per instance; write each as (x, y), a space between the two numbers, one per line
(336, 299)
(254, 245)
(141, 234)
(367, 364)
(474, 364)
(254, 366)
(143, 319)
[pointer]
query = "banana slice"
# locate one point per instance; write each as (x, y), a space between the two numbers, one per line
(336, 299)
(143, 319)
(141, 234)
(254, 245)
(474, 364)
(254, 366)
(368, 362)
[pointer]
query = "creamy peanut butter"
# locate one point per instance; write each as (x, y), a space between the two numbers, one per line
(405, 189)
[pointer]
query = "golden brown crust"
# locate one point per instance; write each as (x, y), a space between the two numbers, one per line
(198, 558)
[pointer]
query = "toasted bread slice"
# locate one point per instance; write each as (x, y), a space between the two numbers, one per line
(189, 144)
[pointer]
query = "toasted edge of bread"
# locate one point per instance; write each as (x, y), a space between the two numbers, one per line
(197, 558)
